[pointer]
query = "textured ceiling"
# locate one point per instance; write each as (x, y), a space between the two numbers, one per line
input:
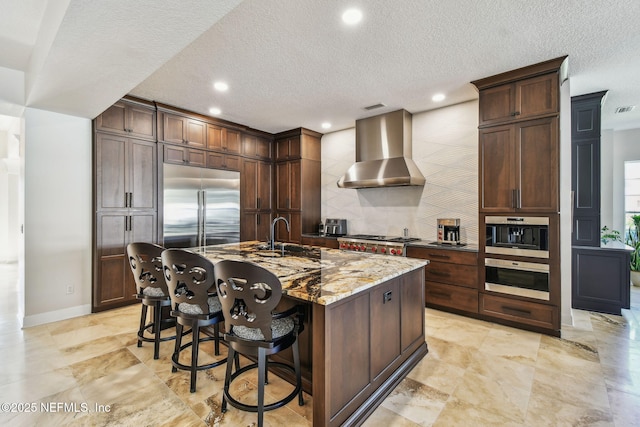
(294, 63)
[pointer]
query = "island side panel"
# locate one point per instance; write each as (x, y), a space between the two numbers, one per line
(346, 385)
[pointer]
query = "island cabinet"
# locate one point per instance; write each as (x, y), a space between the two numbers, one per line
(128, 118)
(297, 179)
(451, 278)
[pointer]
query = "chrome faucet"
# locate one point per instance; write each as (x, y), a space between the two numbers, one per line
(273, 226)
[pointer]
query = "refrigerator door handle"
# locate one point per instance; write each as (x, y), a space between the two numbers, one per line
(199, 220)
(204, 217)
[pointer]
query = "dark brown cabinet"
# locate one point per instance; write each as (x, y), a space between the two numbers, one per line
(223, 161)
(451, 278)
(541, 316)
(125, 172)
(520, 100)
(222, 139)
(297, 179)
(184, 156)
(256, 147)
(183, 130)
(255, 226)
(520, 167)
(128, 118)
(114, 285)
(255, 199)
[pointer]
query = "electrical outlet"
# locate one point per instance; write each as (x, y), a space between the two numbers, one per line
(69, 289)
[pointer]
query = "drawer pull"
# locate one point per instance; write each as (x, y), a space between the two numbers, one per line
(440, 294)
(516, 311)
(439, 256)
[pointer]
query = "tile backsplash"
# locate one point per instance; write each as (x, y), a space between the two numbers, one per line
(445, 148)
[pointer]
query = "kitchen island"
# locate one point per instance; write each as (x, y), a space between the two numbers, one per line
(364, 325)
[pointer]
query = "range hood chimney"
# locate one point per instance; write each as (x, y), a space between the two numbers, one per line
(383, 153)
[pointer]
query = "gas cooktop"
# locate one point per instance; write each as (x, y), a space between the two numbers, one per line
(378, 238)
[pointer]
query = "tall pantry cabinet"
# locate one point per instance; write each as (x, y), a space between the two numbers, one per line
(124, 197)
(519, 176)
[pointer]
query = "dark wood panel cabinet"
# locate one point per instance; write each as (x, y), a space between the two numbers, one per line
(223, 161)
(255, 226)
(255, 188)
(585, 168)
(223, 139)
(178, 129)
(542, 316)
(256, 147)
(520, 167)
(125, 173)
(132, 119)
(297, 179)
(451, 278)
(185, 156)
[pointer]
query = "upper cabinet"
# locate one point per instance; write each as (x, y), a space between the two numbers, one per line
(183, 130)
(519, 139)
(128, 118)
(256, 147)
(521, 100)
(222, 139)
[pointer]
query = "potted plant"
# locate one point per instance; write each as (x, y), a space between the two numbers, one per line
(607, 234)
(633, 240)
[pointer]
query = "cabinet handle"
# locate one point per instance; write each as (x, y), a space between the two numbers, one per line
(516, 311)
(130, 199)
(386, 297)
(438, 256)
(258, 220)
(258, 202)
(518, 201)
(515, 113)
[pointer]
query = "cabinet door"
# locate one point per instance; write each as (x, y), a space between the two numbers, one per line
(497, 169)
(255, 226)
(196, 134)
(263, 148)
(539, 162)
(174, 128)
(283, 189)
(215, 160)
(496, 104)
(214, 137)
(385, 326)
(536, 96)
(115, 281)
(294, 235)
(196, 157)
(264, 185)
(175, 155)
(288, 148)
(111, 172)
(412, 311)
(232, 141)
(249, 185)
(295, 182)
(141, 122)
(257, 147)
(142, 177)
(248, 226)
(113, 119)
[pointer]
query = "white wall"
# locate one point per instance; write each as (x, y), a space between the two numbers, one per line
(626, 146)
(57, 216)
(9, 177)
(566, 316)
(445, 148)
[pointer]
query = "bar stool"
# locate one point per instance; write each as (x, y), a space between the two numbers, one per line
(249, 294)
(152, 291)
(189, 278)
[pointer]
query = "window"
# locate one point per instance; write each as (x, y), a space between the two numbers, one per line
(631, 193)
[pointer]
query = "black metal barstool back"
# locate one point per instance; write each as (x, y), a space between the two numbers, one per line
(190, 278)
(151, 290)
(248, 294)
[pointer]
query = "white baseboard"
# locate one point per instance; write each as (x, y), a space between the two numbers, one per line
(54, 316)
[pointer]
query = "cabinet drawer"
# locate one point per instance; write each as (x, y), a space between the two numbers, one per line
(530, 313)
(451, 296)
(453, 274)
(443, 255)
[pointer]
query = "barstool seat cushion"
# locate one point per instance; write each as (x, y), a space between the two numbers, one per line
(214, 306)
(279, 328)
(150, 291)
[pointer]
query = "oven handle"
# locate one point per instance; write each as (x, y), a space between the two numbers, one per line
(517, 265)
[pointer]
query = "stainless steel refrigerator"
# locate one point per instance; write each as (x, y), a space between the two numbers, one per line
(201, 206)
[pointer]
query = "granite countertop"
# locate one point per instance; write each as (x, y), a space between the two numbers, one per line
(311, 273)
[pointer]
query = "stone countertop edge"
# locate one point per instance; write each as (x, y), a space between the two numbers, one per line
(470, 247)
(332, 277)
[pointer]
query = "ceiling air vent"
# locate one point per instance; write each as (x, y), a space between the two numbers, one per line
(373, 107)
(625, 109)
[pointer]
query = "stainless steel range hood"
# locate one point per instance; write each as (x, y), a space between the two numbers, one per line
(383, 153)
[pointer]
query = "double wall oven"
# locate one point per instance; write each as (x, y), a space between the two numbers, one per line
(517, 256)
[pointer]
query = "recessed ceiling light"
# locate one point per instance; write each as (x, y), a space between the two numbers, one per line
(438, 97)
(352, 16)
(221, 86)
(215, 111)
(326, 125)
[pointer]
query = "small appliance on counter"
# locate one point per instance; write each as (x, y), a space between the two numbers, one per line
(449, 231)
(335, 227)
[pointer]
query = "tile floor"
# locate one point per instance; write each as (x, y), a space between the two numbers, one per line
(476, 374)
